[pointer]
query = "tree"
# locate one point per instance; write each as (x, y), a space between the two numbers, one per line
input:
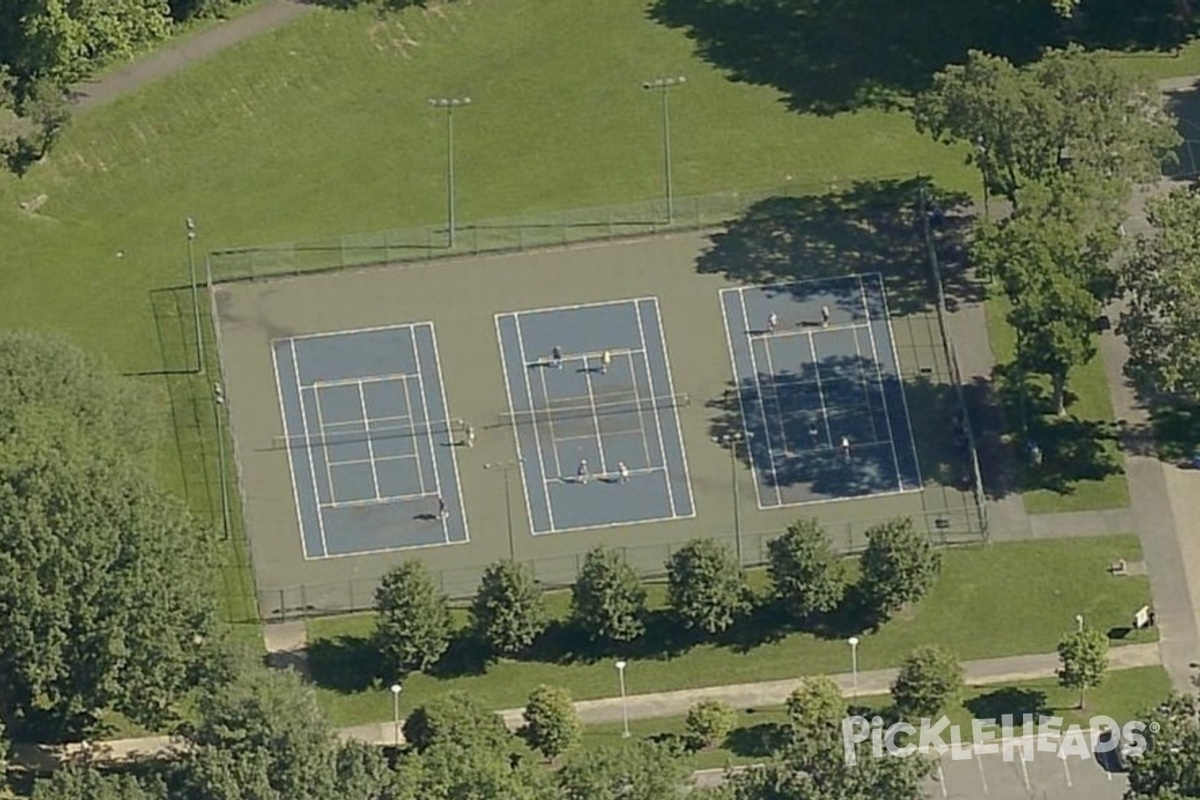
(607, 600)
(263, 736)
(106, 583)
(80, 782)
(815, 710)
(1083, 660)
(930, 679)
(449, 771)
(806, 575)
(457, 718)
(827, 776)
(899, 566)
(508, 611)
(706, 586)
(1169, 768)
(641, 771)
(1070, 110)
(1052, 258)
(413, 626)
(551, 725)
(1162, 282)
(709, 722)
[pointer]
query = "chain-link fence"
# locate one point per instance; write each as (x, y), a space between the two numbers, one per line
(551, 229)
(945, 528)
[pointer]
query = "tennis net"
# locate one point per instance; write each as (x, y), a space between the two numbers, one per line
(447, 427)
(582, 408)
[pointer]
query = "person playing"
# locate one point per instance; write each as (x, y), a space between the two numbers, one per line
(556, 356)
(846, 447)
(443, 512)
(469, 438)
(582, 474)
(623, 471)
(813, 433)
(824, 316)
(605, 360)
(772, 322)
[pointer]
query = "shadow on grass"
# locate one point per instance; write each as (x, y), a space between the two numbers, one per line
(872, 226)
(761, 740)
(563, 642)
(1008, 701)
(1071, 449)
(345, 664)
(828, 57)
(1175, 427)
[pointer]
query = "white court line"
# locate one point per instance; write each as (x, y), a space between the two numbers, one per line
(291, 465)
(362, 401)
(598, 304)
(787, 451)
(554, 437)
(737, 382)
(324, 443)
(941, 778)
(637, 400)
(862, 378)
(377, 460)
(394, 376)
(812, 348)
(879, 376)
(312, 470)
(762, 411)
(587, 377)
(1067, 771)
(537, 437)
(903, 394)
(462, 508)
(351, 331)
(395, 498)
(781, 287)
(416, 447)
(437, 480)
(662, 446)
(520, 456)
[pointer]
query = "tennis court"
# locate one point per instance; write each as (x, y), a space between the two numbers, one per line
(819, 386)
(370, 441)
(593, 407)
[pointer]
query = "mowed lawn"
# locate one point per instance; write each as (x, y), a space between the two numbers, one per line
(1090, 466)
(1005, 599)
(1125, 695)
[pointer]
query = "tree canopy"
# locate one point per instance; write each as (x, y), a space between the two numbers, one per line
(608, 602)
(930, 679)
(1162, 282)
(412, 624)
(1170, 767)
(641, 771)
(456, 718)
(551, 725)
(899, 566)
(1083, 658)
(106, 583)
(706, 586)
(806, 575)
(508, 611)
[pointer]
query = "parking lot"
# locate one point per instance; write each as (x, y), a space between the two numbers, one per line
(1044, 777)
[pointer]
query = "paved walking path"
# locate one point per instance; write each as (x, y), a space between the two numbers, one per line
(987, 672)
(176, 55)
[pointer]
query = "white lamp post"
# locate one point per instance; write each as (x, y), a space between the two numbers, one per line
(621, 665)
(854, 666)
(396, 713)
(1079, 622)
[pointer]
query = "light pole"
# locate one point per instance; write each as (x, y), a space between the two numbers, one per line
(854, 666)
(190, 228)
(621, 665)
(450, 103)
(505, 466)
(396, 713)
(1079, 622)
(731, 441)
(218, 401)
(664, 85)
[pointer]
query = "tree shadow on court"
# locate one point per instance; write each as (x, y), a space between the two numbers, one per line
(1010, 700)
(827, 57)
(938, 426)
(871, 226)
(345, 664)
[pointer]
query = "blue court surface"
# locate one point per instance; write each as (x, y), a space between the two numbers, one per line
(595, 414)
(370, 441)
(821, 397)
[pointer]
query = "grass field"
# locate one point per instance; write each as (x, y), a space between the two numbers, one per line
(989, 602)
(1124, 695)
(1083, 468)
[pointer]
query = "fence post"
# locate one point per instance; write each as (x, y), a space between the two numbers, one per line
(283, 605)
(303, 600)
(350, 591)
